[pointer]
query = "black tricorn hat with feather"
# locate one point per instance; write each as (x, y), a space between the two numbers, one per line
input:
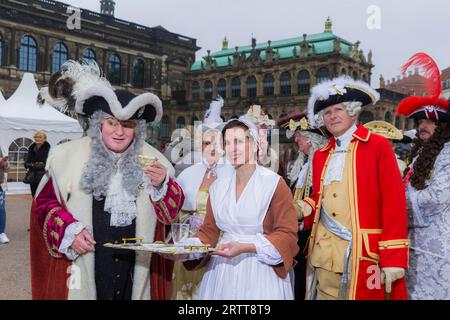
(81, 88)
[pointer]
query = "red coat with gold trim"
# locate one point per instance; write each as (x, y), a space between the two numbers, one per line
(378, 212)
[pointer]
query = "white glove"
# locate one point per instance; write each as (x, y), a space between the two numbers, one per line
(303, 209)
(390, 275)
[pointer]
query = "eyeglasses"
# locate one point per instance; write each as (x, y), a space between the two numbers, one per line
(129, 124)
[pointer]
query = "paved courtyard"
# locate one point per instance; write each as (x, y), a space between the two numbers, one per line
(14, 257)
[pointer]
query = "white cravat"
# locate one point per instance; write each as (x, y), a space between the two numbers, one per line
(118, 202)
(337, 162)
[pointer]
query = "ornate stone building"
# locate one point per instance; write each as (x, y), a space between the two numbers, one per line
(38, 36)
(412, 83)
(276, 74)
(445, 77)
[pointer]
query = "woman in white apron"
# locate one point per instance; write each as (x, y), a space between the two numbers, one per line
(251, 219)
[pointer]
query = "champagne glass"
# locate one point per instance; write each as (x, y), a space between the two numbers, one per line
(180, 232)
(145, 161)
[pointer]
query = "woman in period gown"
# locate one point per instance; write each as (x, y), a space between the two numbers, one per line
(251, 219)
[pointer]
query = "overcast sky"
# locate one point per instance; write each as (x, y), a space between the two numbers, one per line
(406, 26)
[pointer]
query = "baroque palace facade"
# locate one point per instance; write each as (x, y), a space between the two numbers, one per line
(38, 36)
(279, 74)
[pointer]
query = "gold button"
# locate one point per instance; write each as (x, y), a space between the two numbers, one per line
(334, 195)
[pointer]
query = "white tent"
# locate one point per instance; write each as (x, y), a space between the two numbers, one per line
(20, 118)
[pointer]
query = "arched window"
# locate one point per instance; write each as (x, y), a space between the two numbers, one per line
(355, 75)
(285, 84)
(343, 71)
(195, 91)
(89, 54)
(1, 50)
(236, 87)
(388, 117)
(28, 54)
(114, 69)
(251, 86)
(208, 90)
(303, 82)
(366, 116)
(222, 88)
(181, 123)
(269, 84)
(165, 128)
(397, 122)
(60, 54)
(138, 73)
(322, 74)
(18, 151)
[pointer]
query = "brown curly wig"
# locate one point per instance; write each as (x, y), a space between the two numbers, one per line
(428, 153)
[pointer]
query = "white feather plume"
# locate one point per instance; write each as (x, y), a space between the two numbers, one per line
(58, 103)
(88, 81)
(212, 115)
(322, 91)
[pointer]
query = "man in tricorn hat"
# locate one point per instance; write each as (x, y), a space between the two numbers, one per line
(96, 191)
(357, 210)
(428, 186)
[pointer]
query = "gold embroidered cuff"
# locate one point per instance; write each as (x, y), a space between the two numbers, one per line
(393, 244)
(52, 250)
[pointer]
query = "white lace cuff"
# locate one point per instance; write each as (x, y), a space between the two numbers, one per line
(157, 194)
(266, 251)
(70, 233)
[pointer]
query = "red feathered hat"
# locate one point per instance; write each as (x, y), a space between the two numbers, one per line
(431, 107)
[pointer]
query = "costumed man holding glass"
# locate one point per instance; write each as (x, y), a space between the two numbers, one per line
(100, 189)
